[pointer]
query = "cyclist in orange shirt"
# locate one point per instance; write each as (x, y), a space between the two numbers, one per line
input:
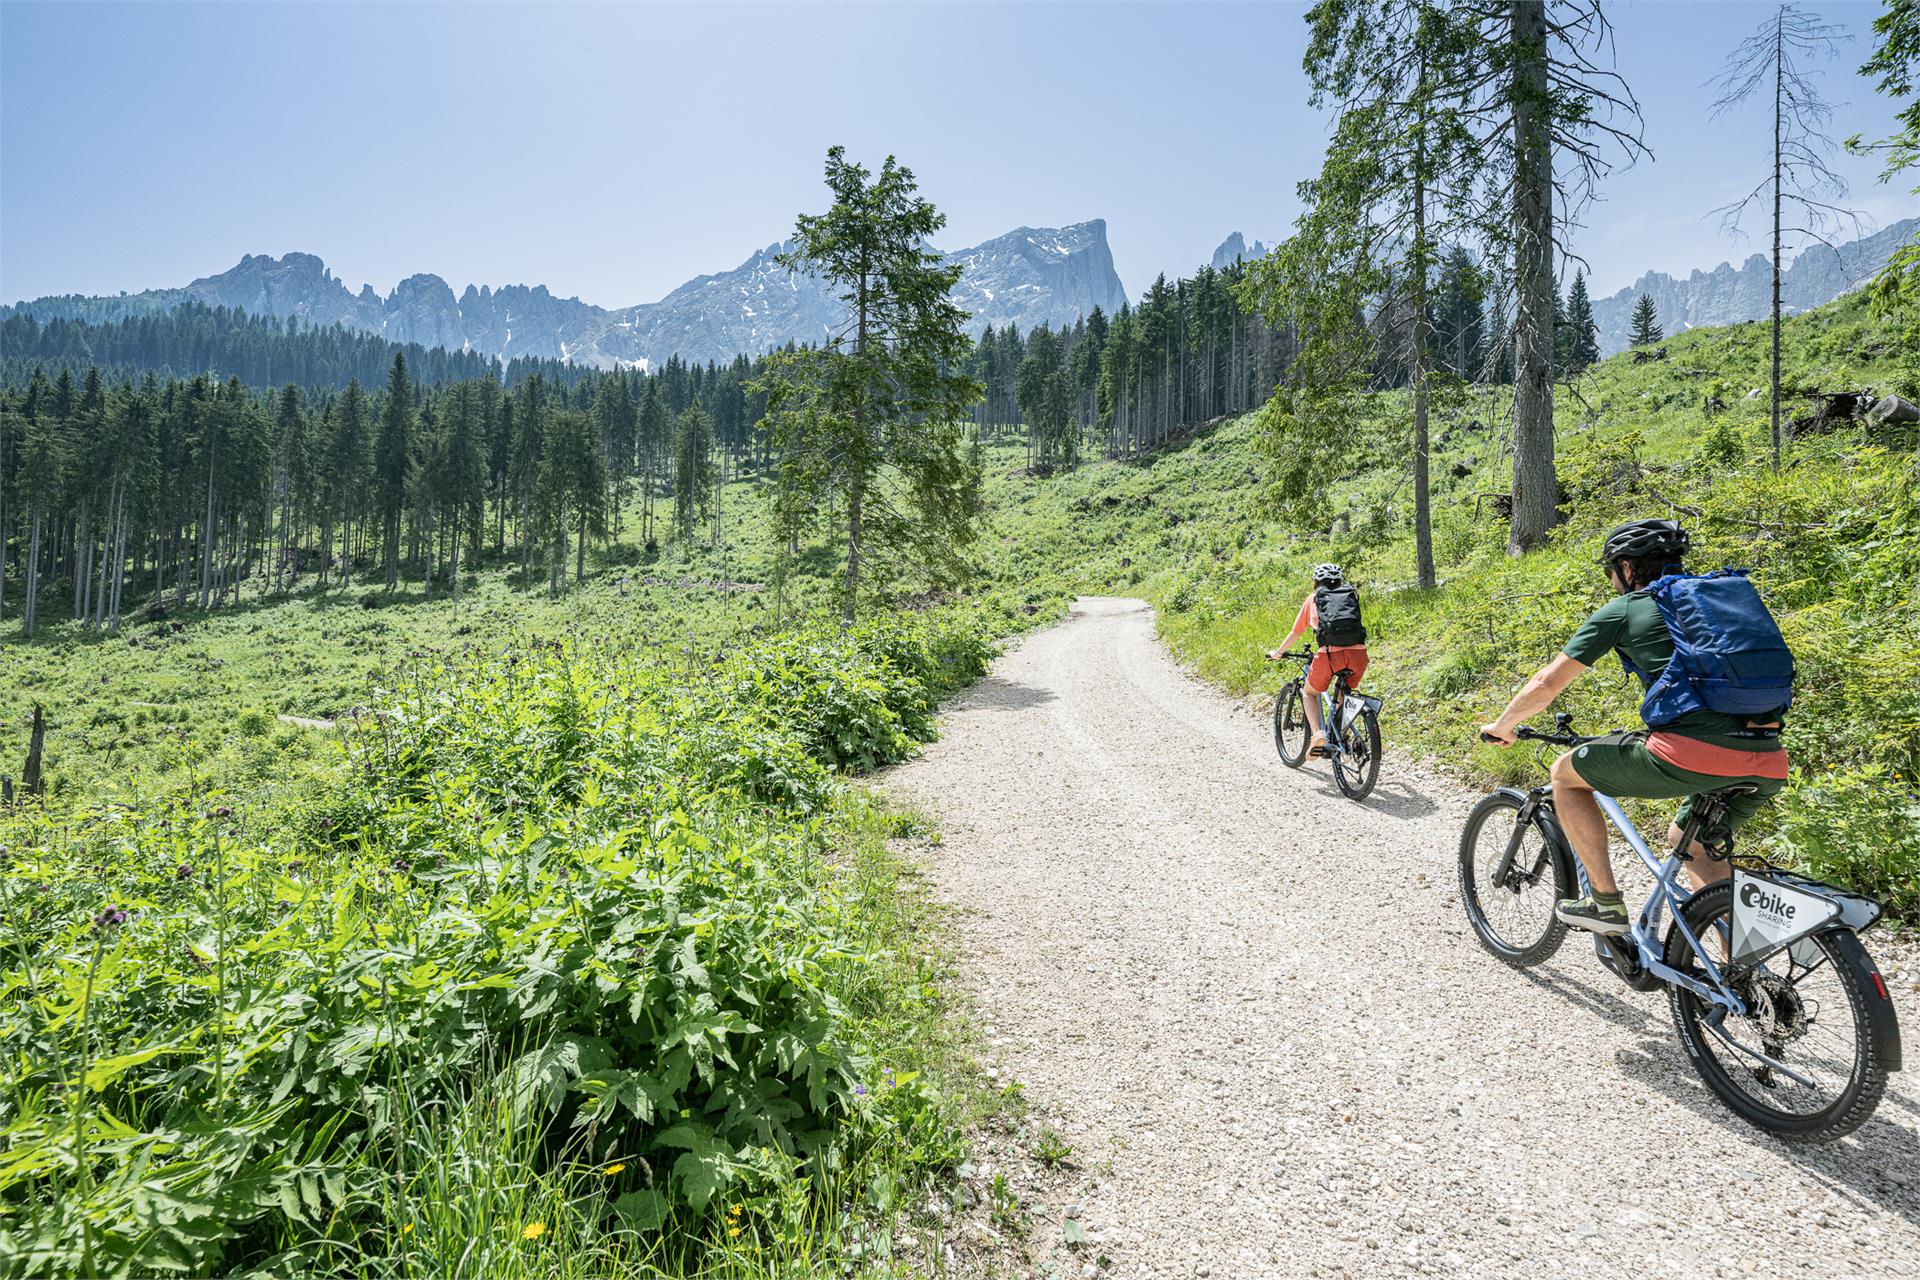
(1332, 611)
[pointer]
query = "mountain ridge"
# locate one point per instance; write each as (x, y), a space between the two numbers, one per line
(1729, 295)
(1028, 276)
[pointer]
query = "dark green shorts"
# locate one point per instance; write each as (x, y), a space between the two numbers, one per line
(1620, 765)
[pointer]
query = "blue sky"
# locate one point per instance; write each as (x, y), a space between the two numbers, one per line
(614, 150)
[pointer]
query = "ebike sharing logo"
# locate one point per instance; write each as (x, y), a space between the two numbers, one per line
(1773, 908)
(1768, 915)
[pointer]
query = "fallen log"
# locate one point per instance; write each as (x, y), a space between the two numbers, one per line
(1890, 409)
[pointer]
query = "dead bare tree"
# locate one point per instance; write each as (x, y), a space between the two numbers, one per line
(1776, 58)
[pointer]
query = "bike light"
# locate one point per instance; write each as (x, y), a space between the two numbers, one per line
(1880, 985)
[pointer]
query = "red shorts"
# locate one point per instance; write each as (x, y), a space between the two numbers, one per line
(1352, 657)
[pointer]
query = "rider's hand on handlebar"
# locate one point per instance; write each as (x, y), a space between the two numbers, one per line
(1274, 655)
(1498, 734)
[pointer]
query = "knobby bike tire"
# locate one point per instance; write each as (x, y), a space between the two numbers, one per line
(1357, 768)
(1502, 809)
(1290, 726)
(1855, 972)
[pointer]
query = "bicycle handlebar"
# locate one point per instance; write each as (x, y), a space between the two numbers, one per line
(1562, 737)
(1298, 655)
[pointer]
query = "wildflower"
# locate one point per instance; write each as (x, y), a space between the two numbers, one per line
(222, 811)
(401, 864)
(859, 1091)
(734, 1232)
(611, 1169)
(533, 1231)
(407, 1230)
(111, 918)
(888, 1073)
(183, 872)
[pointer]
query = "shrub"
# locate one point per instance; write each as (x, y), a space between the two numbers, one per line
(1859, 828)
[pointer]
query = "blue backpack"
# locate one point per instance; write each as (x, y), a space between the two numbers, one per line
(1728, 653)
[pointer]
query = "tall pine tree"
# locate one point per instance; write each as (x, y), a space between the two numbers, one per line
(884, 395)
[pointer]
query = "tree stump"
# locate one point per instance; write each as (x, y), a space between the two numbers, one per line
(30, 777)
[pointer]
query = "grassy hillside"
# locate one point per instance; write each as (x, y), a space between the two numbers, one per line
(1833, 540)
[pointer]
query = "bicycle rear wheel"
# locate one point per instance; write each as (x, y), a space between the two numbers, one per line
(1290, 725)
(1511, 912)
(1356, 767)
(1808, 1009)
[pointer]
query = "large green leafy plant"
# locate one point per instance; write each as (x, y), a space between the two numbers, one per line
(566, 887)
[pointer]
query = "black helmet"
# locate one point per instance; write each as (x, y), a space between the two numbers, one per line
(1327, 575)
(1638, 538)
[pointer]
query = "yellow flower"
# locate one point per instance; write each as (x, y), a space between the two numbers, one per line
(734, 1232)
(611, 1169)
(734, 1213)
(533, 1231)
(407, 1230)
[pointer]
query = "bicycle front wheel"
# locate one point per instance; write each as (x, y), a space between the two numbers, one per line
(1290, 725)
(1807, 1011)
(1356, 766)
(1510, 902)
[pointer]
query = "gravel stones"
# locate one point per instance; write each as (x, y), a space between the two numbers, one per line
(1230, 984)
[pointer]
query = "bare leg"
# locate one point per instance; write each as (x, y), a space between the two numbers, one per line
(1312, 701)
(1704, 871)
(1586, 828)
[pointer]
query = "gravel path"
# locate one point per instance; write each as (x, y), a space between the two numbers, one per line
(1257, 1012)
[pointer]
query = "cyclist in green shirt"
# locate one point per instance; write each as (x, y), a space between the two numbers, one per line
(1700, 751)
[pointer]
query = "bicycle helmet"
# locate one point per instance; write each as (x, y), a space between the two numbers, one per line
(1327, 575)
(1638, 538)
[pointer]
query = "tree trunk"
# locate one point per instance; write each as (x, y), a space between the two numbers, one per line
(34, 784)
(1422, 513)
(1779, 107)
(206, 541)
(1534, 484)
(29, 611)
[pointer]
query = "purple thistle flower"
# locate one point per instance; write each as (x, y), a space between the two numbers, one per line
(111, 918)
(183, 872)
(859, 1091)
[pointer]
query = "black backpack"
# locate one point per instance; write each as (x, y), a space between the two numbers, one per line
(1339, 610)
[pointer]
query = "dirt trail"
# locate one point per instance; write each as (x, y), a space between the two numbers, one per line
(1257, 1012)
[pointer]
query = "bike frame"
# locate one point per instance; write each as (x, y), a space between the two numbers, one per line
(1667, 896)
(1332, 702)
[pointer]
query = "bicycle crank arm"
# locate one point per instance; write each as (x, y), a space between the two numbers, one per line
(1761, 1058)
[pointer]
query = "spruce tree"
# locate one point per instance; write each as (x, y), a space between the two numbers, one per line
(1646, 323)
(1562, 339)
(655, 430)
(1393, 185)
(1583, 343)
(884, 395)
(393, 463)
(571, 491)
(692, 470)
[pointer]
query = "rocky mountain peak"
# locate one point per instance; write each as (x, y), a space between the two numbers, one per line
(1236, 249)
